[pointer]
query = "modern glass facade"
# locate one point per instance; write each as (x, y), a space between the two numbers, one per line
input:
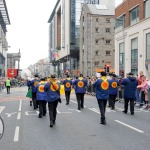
(148, 46)
(75, 10)
(147, 8)
(134, 55)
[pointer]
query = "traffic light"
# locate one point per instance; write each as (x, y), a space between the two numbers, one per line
(67, 72)
(107, 68)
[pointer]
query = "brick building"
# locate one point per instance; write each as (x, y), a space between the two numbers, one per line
(96, 38)
(132, 37)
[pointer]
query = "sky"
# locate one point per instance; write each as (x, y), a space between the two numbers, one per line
(29, 29)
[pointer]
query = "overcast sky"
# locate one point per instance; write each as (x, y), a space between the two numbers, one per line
(29, 28)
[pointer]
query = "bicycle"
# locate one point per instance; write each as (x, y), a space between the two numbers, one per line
(1, 127)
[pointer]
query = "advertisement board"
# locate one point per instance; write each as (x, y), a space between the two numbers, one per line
(12, 72)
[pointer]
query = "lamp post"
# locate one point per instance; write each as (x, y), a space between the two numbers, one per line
(123, 36)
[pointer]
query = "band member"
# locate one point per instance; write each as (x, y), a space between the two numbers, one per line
(33, 84)
(80, 89)
(130, 83)
(41, 97)
(67, 85)
(102, 93)
(113, 90)
(52, 88)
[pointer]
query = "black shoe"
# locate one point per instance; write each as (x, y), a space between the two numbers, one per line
(124, 112)
(51, 124)
(103, 123)
(34, 107)
(40, 116)
(30, 103)
(132, 113)
(67, 103)
(79, 108)
(82, 107)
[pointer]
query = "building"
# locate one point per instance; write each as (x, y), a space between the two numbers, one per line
(64, 35)
(42, 68)
(4, 20)
(132, 37)
(97, 24)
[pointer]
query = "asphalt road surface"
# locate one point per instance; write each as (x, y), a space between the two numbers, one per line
(74, 129)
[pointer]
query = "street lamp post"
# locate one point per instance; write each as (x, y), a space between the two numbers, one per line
(123, 36)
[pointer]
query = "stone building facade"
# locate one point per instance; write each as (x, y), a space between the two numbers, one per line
(96, 38)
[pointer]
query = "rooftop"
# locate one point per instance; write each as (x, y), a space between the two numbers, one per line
(101, 9)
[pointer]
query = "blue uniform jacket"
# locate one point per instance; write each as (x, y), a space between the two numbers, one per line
(113, 86)
(102, 88)
(130, 85)
(80, 85)
(40, 93)
(67, 84)
(51, 93)
(33, 84)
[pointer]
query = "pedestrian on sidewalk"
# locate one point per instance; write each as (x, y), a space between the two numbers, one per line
(41, 97)
(102, 93)
(67, 85)
(80, 90)
(144, 91)
(52, 88)
(8, 84)
(130, 83)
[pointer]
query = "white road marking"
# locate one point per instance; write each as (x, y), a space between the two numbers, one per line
(95, 110)
(129, 126)
(19, 116)
(1, 109)
(73, 101)
(9, 115)
(63, 112)
(16, 136)
(31, 113)
(20, 105)
(75, 110)
(76, 102)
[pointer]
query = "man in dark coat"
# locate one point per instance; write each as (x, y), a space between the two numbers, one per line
(130, 83)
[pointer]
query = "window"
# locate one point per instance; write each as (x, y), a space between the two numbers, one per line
(134, 55)
(108, 41)
(83, 19)
(134, 15)
(121, 57)
(96, 29)
(107, 29)
(120, 22)
(108, 53)
(97, 19)
(96, 52)
(107, 20)
(147, 8)
(96, 63)
(96, 41)
(148, 46)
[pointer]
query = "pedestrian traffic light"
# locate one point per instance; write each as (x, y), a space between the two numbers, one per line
(107, 68)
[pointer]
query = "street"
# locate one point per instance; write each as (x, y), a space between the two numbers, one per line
(74, 129)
